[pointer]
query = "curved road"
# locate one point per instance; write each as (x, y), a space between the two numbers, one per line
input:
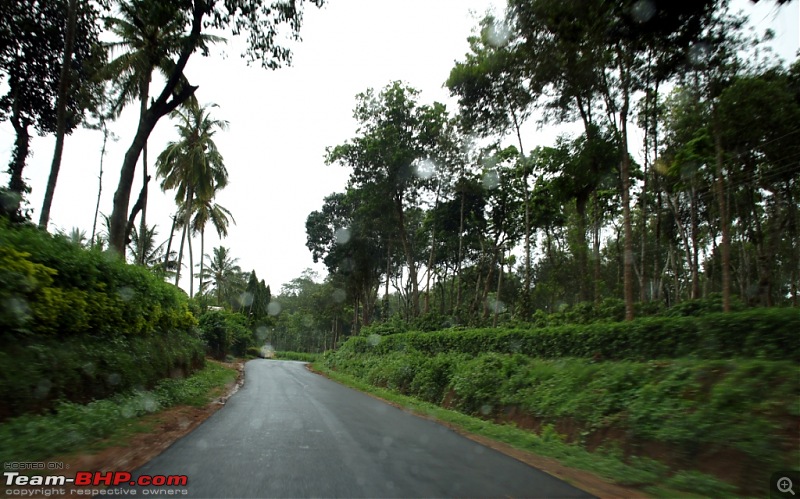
(291, 433)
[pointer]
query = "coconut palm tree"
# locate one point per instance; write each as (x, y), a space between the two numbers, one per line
(222, 274)
(206, 210)
(193, 166)
(149, 35)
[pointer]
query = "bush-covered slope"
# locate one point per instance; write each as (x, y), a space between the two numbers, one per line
(79, 325)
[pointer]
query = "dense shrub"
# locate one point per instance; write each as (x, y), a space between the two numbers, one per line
(50, 286)
(757, 333)
(78, 325)
(225, 333)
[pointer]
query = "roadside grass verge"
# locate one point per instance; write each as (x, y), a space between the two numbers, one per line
(75, 427)
(302, 356)
(648, 475)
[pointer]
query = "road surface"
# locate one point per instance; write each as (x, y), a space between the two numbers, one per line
(291, 433)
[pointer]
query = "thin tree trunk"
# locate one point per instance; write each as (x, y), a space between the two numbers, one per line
(61, 112)
(457, 276)
(169, 243)
(497, 302)
(626, 200)
(145, 91)
(191, 262)
(21, 150)
(725, 245)
(412, 266)
(99, 181)
(186, 221)
(202, 257)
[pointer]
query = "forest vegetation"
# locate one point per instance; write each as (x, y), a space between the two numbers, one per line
(631, 288)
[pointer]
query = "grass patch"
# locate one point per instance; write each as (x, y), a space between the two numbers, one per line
(76, 427)
(302, 356)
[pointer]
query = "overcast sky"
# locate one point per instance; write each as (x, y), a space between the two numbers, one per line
(282, 121)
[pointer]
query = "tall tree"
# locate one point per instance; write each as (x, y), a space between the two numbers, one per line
(193, 166)
(259, 19)
(206, 210)
(32, 56)
(149, 34)
(395, 133)
(221, 274)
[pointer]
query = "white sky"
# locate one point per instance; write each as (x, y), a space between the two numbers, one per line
(282, 121)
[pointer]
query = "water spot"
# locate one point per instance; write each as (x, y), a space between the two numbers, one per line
(42, 389)
(18, 308)
(486, 409)
(89, 368)
(490, 179)
(274, 308)
(268, 352)
(246, 299)
(373, 339)
(308, 321)
(361, 480)
(9, 200)
(383, 455)
(339, 295)
(479, 449)
(495, 305)
(297, 424)
(390, 484)
(699, 53)
(561, 306)
(114, 379)
(387, 441)
(125, 293)
(128, 411)
(202, 444)
(498, 33)
(342, 235)
(643, 10)
(149, 403)
(261, 333)
(423, 439)
(424, 169)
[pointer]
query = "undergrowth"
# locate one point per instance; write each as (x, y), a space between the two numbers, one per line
(71, 427)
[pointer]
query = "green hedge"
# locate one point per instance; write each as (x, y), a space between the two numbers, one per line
(35, 374)
(225, 333)
(50, 286)
(78, 325)
(758, 333)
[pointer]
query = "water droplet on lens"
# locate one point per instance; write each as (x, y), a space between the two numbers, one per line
(342, 235)
(274, 308)
(643, 10)
(491, 179)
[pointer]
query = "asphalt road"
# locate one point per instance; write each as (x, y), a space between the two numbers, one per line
(291, 433)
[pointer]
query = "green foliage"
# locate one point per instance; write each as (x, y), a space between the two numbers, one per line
(72, 426)
(225, 333)
(52, 287)
(301, 356)
(756, 333)
(36, 373)
(79, 325)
